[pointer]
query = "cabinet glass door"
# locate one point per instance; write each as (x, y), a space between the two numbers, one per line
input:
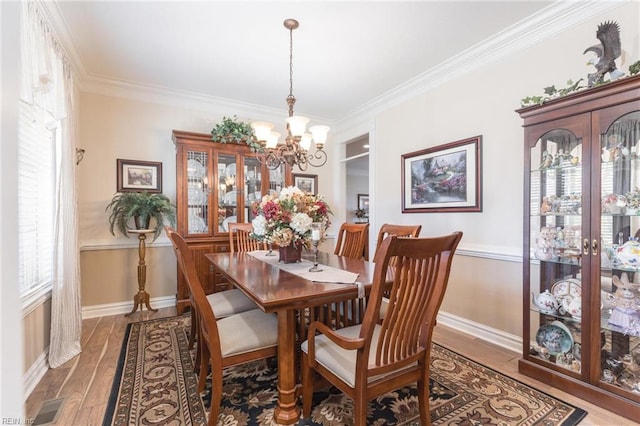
(276, 179)
(252, 185)
(197, 192)
(227, 193)
(620, 258)
(555, 248)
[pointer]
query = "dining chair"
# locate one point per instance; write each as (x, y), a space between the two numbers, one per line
(367, 360)
(352, 239)
(397, 230)
(224, 303)
(410, 231)
(240, 238)
(236, 339)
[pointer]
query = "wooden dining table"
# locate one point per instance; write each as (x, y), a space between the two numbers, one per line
(276, 290)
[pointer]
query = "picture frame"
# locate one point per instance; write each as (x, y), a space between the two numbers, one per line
(444, 178)
(363, 203)
(307, 183)
(138, 176)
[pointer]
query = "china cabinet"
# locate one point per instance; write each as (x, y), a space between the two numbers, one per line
(581, 251)
(216, 184)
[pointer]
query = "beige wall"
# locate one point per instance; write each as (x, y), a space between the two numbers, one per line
(35, 328)
(117, 127)
(111, 276)
(485, 290)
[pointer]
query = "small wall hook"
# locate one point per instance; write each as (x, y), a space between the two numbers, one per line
(79, 155)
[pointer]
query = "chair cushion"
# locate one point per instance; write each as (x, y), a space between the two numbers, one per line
(247, 331)
(229, 302)
(340, 361)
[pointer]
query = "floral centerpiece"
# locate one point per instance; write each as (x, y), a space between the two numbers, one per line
(285, 219)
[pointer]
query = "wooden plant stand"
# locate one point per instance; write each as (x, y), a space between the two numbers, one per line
(142, 297)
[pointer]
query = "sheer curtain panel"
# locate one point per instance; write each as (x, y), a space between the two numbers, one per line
(47, 88)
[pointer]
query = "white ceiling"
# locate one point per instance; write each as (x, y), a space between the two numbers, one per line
(346, 54)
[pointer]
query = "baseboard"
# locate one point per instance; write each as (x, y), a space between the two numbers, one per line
(35, 373)
(118, 308)
(492, 335)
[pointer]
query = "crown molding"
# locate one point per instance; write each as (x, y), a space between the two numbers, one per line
(52, 13)
(546, 23)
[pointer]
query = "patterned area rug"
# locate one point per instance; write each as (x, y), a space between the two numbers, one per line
(155, 384)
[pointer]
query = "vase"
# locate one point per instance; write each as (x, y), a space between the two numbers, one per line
(142, 222)
(291, 253)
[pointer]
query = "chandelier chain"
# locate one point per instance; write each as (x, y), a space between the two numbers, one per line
(291, 100)
(294, 152)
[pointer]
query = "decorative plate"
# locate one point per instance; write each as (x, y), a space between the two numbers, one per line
(197, 225)
(230, 170)
(196, 197)
(555, 337)
(568, 287)
(195, 169)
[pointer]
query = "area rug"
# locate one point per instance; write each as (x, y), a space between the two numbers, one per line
(155, 384)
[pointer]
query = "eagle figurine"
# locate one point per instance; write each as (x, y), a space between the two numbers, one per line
(607, 52)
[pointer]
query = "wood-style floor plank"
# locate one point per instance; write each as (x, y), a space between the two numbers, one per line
(86, 380)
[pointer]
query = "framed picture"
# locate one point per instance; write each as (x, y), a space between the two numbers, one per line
(363, 203)
(445, 178)
(307, 183)
(134, 175)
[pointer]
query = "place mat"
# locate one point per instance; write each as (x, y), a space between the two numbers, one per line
(301, 269)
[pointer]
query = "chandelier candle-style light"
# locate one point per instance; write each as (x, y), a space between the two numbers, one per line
(295, 149)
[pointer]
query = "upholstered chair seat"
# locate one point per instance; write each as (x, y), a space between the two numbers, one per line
(247, 331)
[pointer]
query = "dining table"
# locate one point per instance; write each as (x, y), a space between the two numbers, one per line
(275, 290)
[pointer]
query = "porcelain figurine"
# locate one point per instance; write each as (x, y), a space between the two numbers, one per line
(544, 243)
(625, 306)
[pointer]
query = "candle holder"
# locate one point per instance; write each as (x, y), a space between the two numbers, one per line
(315, 268)
(316, 236)
(270, 252)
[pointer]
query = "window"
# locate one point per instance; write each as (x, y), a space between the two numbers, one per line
(36, 200)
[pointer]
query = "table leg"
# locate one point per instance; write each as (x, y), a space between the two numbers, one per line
(287, 411)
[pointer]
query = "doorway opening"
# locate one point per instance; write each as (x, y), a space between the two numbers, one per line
(357, 184)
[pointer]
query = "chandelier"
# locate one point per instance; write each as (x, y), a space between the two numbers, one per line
(295, 149)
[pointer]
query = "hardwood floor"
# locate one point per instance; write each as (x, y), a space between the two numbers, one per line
(85, 381)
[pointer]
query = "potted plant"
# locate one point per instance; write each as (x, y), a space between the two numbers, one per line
(232, 130)
(149, 211)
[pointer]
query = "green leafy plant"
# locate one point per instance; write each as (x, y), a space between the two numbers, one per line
(232, 130)
(634, 68)
(360, 213)
(149, 211)
(551, 92)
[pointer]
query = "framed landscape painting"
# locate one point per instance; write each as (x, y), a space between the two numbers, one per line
(135, 175)
(445, 178)
(307, 183)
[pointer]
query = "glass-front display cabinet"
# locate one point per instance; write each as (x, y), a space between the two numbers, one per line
(581, 253)
(216, 184)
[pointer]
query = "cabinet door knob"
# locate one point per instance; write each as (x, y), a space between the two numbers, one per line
(585, 247)
(594, 247)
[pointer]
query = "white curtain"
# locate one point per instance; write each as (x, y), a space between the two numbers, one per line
(48, 85)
